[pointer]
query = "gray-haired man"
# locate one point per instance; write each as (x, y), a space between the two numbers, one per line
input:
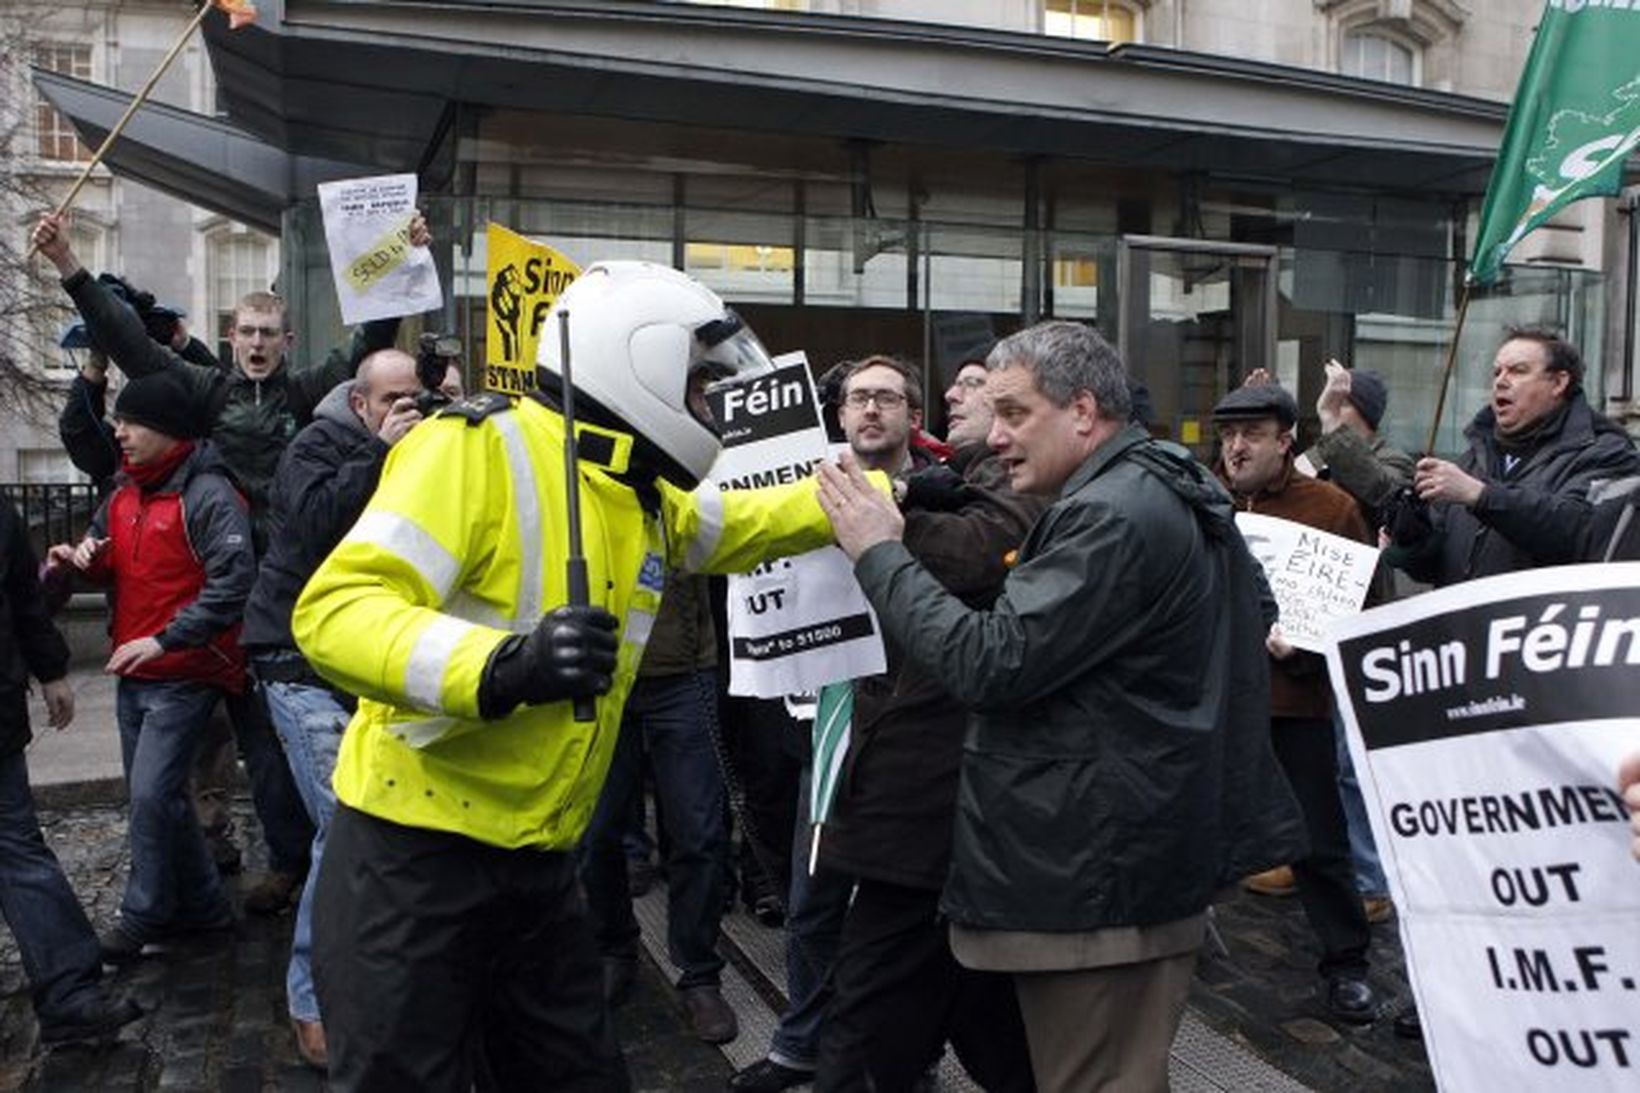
(1117, 768)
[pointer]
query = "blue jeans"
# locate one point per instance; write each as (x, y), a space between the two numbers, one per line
(676, 717)
(310, 722)
(814, 924)
(173, 884)
(1369, 871)
(57, 945)
(285, 824)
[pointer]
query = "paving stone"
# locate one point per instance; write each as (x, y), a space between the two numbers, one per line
(184, 1070)
(242, 1079)
(215, 1015)
(1307, 1030)
(1268, 987)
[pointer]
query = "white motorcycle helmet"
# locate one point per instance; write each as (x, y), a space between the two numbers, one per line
(644, 341)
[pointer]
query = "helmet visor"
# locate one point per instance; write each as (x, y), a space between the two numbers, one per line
(725, 349)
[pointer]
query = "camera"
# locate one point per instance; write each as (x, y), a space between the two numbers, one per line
(434, 355)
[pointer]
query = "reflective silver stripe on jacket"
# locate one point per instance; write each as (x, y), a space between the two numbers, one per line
(709, 530)
(639, 625)
(402, 538)
(429, 660)
(527, 509)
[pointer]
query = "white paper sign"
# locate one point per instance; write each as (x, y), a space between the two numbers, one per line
(1317, 577)
(378, 274)
(1487, 721)
(794, 623)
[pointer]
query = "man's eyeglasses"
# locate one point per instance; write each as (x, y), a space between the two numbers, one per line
(885, 400)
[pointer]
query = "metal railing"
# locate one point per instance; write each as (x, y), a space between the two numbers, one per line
(53, 512)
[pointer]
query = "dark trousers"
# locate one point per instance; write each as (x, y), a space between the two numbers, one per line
(442, 962)
(757, 732)
(1326, 879)
(899, 995)
(675, 717)
(816, 903)
(172, 882)
(54, 939)
(285, 824)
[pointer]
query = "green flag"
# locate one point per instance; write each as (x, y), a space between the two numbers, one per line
(1575, 119)
(833, 714)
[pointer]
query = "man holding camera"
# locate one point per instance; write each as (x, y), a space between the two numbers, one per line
(324, 480)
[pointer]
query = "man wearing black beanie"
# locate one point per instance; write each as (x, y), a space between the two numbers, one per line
(159, 402)
(174, 539)
(1350, 453)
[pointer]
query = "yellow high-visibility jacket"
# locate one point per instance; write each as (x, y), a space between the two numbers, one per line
(463, 544)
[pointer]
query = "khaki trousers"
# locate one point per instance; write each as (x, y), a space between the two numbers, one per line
(1104, 1030)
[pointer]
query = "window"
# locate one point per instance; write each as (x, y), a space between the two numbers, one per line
(1375, 56)
(55, 138)
(237, 261)
(770, 5)
(739, 257)
(46, 466)
(1408, 42)
(1096, 20)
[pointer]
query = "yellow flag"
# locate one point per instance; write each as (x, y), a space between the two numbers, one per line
(523, 279)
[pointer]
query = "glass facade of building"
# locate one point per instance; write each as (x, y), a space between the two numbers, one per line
(1197, 287)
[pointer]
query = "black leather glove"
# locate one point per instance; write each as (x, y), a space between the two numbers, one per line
(161, 324)
(139, 299)
(1406, 516)
(936, 488)
(570, 654)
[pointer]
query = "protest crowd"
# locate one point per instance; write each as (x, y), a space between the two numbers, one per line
(1090, 724)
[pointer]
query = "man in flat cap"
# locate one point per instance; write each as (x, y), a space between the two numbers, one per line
(1255, 429)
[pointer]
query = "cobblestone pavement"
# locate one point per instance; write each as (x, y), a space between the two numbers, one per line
(215, 1014)
(1266, 994)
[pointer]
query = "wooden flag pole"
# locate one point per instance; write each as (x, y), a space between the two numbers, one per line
(130, 111)
(1446, 374)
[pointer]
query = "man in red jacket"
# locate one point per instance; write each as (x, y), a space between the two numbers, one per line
(1255, 427)
(175, 541)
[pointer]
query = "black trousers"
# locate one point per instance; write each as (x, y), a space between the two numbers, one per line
(759, 734)
(1326, 879)
(900, 995)
(441, 962)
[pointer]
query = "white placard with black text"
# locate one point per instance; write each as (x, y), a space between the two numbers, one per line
(1317, 577)
(797, 623)
(378, 274)
(1487, 721)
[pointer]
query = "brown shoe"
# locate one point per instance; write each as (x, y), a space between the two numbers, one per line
(310, 1043)
(1379, 909)
(1272, 882)
(710, 1017)
(273, 891)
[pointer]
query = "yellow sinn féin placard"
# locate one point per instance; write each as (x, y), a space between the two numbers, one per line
(522, 281)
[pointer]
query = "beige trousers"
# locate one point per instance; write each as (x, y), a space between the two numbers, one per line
(1107, 1029)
